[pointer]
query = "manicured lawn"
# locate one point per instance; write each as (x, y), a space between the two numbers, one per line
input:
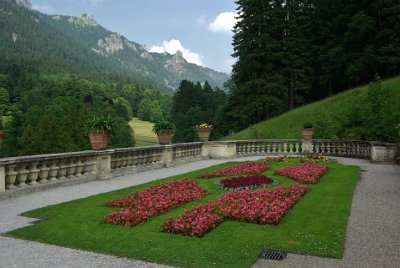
(315, 225)
(143, 132)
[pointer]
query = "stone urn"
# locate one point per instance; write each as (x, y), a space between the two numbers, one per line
(204, 134)
(307, 133)
(99, 139)
(164, 137)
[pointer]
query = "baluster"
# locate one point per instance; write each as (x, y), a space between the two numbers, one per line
(273, 148)
(242, 148)
(22, 176)
(323, 146)
(290, 148)
(338, 148)
(53, 170)
(154, 155)
(71, 166)
(328, 147)
(129, 162)
(285, 148)
(44, 172)
(33, 172)
(317, 149)
(79, 167)
(11, 176)
(89, 166)
(62, 172)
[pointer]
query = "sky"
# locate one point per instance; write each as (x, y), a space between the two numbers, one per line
(200, 29)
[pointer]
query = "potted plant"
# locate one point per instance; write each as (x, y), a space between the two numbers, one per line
(164, 130)
(99, 129)
(307, 131)
(204, 130)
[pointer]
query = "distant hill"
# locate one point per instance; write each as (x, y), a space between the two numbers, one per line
(56, 41)
(342, 116)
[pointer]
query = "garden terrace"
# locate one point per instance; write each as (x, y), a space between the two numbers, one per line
(19, 175)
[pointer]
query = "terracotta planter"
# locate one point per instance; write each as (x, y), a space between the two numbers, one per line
(204, 134)
(164, 138)
(99, 139)
(307, 133)
(1, 137)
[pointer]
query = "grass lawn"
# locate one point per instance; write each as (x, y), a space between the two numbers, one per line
(316, 225)
(143, 132)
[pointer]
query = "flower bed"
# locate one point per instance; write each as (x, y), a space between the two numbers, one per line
(261, 206)
(246, 168)
(246, 182)
(139, 206)
(307, 172)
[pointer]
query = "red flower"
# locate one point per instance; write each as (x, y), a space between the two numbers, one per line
(139, 206)
(261, 206)
(306, 172)
(239, 169)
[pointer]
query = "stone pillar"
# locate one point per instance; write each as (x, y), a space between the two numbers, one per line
(167, 156)
(2, 179)
(383, 152)
(222, 150)
(103, 167)
(205, 150)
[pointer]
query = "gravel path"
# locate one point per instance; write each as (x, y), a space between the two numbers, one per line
(373, 237)
(373, 230)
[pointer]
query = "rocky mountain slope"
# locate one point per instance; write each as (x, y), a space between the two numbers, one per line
(81, 42)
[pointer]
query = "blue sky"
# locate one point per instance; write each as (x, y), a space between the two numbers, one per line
(201, 28)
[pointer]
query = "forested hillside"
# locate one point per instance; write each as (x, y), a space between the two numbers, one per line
(292, 52)
(369, 112)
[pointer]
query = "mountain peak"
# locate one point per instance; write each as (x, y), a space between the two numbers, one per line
(84, 19)
(24, 3)
(179, 54)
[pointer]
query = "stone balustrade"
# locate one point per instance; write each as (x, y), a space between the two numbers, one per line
(187, 151)
(352, 149)
(269, 147)
(42, 171)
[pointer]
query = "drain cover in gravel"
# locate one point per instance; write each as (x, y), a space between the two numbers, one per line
(273, 255)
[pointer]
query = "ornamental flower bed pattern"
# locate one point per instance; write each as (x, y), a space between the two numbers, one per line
(307, 172)
(246, 182)
(239, 169)
(139, 206)
(261, 206)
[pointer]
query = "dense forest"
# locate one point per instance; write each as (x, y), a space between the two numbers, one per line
(292, 52)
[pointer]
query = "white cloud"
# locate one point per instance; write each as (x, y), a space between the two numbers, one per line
(173, 46)
(224, 23)
(43, 7)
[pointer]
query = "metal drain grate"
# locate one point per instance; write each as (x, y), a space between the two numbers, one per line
(273, 255)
